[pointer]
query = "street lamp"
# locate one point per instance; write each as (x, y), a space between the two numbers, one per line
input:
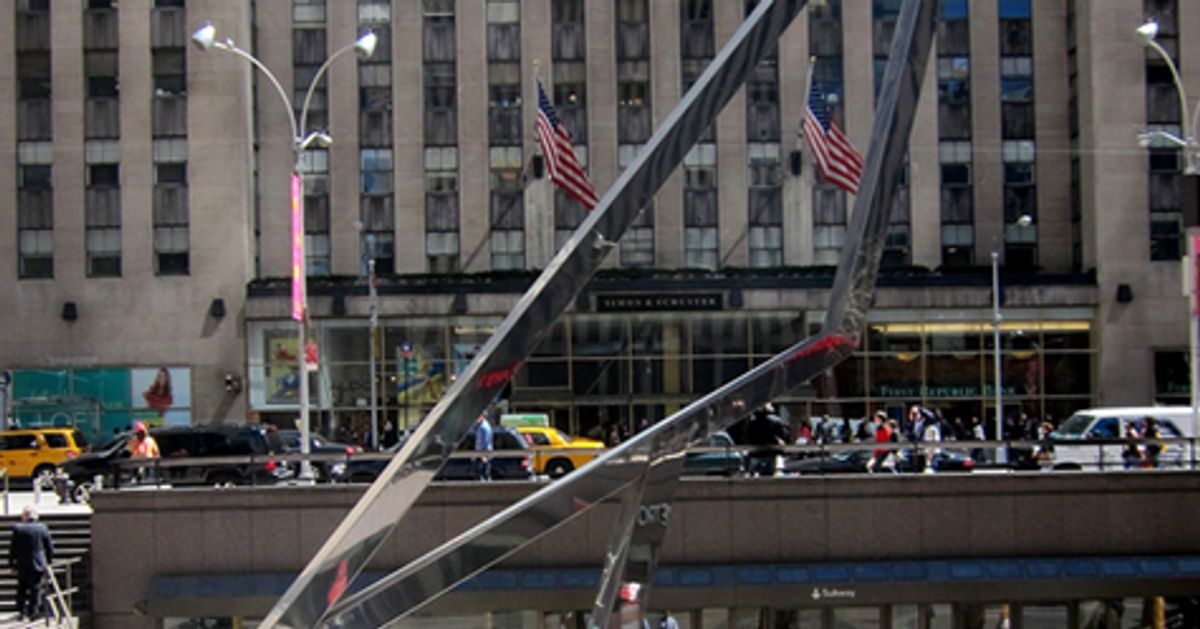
(1191, 153)
(1157, 137)
(1001, 453)
(205, 39)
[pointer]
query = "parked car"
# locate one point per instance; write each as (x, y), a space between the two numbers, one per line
(855, 462)
(36, 452)
(288, 442)
(726, 462)
(1109, 425)
(556, 453)
(177, 442)
(515, 466)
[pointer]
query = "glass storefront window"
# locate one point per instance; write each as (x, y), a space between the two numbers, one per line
(710, 373)
(1172, 377)
(540, 373)
(647, 336)
(896, 375)
(888, 337)
(720, 335)
(602, 376)
(1068, 374)
(773, 333)
(845, 380)
(958, 375)
(594, 336)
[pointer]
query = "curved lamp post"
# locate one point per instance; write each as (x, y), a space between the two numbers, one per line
(1191, 150)
(205, 39)
(1024, 220)
(1191, 153)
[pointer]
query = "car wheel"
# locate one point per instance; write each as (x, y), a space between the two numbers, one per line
(43, 476)
(222, 480)
(559, 467)
(82, 493)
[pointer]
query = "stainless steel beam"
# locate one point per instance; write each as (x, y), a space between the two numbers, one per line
(327, 576)
(623, 468)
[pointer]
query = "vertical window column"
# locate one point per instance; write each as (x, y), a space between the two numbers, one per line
(1018, 131)
(1162, 112)
(309, 51)
(956, 171)
(701, 239)
(569, 54)
(634, 122)
(442, 243)
(168, 38)
(507, 205)
(765, 176)
(35, 153)
(377, 205)
(828, 201)
(896, 249)
(102, 149)
(1076, 190)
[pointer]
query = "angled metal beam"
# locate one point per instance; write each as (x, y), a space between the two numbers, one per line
(327, 576)
(623, 468)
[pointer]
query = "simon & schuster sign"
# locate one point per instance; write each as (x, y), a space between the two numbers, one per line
(641, 302)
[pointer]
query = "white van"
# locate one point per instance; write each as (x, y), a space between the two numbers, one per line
(1174, 422)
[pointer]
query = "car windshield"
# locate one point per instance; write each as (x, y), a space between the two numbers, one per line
(1075, 426)
(564, 436)
(114, 442)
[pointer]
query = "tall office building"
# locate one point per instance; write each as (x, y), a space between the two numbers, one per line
(144, 186)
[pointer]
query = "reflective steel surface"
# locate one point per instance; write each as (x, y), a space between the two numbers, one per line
(624, 470)
(327, 576)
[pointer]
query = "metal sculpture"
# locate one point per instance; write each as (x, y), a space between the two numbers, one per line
(327, 576)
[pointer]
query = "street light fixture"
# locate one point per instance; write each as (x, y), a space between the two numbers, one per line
(1024, 220)
(1191, 154)
(205, 39)
(1191, 149)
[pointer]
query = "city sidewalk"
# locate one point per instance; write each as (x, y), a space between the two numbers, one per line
(46, 501)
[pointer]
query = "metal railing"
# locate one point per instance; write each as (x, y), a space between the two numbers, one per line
(1104, 455)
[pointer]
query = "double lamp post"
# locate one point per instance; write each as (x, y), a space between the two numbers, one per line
(302, 139)
(1164, 138)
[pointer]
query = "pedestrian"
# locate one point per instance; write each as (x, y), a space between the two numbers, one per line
(931, 433)
(769, 434)
(30, 554)
(483, 445)
(1131, 452)
(882, 435)
(390, 435)
(143, 446)
(1151, 450)
(978, 433)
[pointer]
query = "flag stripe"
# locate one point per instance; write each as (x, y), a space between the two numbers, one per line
(835, 157)
(561, 162)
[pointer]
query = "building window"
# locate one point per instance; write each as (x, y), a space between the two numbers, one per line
(1162, 111)
(102, 208)
(1018, 131)
(634, 123)
(828, 201)
(442, 246)
(376, 205)
(309, 51)
(1172, 377)
(700, 241)
(35, 215)
(507, 217)
(957, 203)
(570, 102)
(505, 135)
(766, 205)
(441, 209)
(168, 38)
(637, 245)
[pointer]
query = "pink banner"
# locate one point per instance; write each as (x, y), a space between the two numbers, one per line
(298, 299)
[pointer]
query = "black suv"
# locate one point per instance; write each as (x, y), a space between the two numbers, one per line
(516, 465)
(191, 442)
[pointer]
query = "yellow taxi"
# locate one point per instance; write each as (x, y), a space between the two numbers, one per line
(555, 453)
(34, 452)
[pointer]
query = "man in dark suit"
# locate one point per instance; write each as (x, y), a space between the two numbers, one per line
(30, 555)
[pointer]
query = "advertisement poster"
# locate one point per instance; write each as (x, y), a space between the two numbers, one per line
(162, 396)
(421, 379)
(282, 368)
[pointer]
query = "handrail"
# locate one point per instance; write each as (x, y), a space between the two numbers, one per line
(1184, 457)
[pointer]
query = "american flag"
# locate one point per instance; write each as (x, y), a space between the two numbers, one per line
(561, 162)
(836, 158)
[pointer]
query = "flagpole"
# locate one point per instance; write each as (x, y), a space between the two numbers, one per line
(808, 79)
